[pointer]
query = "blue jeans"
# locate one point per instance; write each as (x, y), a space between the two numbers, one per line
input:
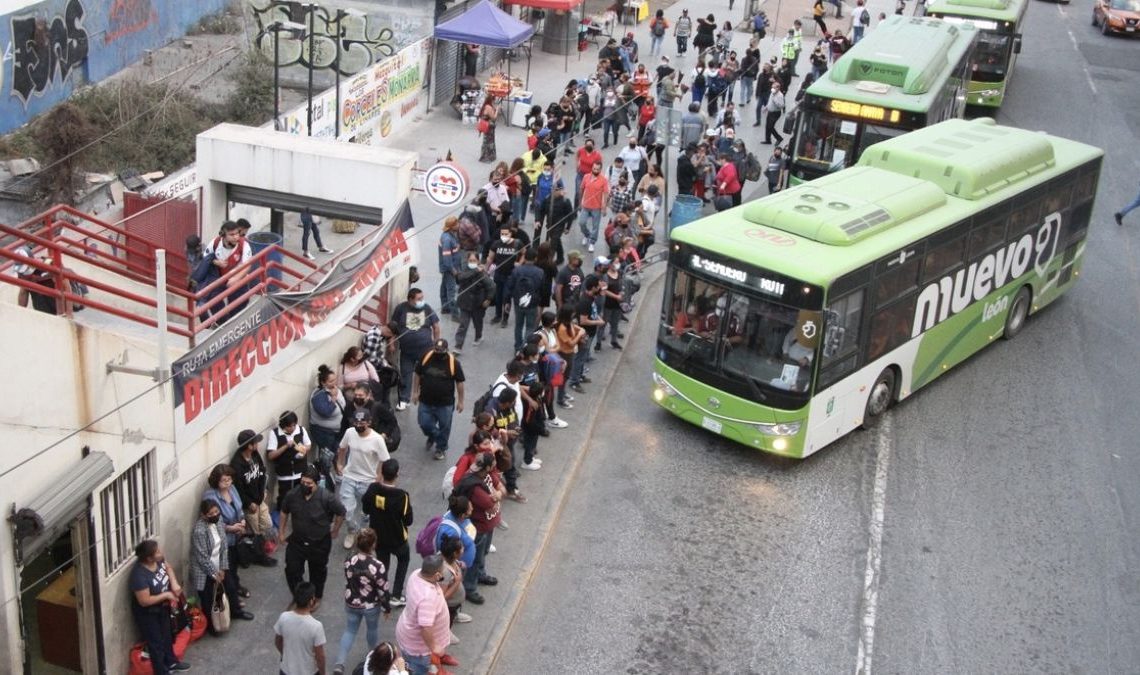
(448, 292)
(482, 547)
(518, 207)
(350, 493)
(418, 664)
(610, 123)
(323, 438)
(502, 303)
(352, 626)
(591, 220)
(525, 320)
(407, 370)
(655, 44)
(746, 85)
(310, 227)
(858, 32)
(578, 365)
(1134, 205)
(435, 422)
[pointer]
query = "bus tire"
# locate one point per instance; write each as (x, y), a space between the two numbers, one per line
(880, 399)
(1018, 314)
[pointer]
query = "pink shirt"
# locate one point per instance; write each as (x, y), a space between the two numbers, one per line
(426, 608)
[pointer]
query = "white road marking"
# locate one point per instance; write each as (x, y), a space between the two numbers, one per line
(1088, 77)
(874, 550)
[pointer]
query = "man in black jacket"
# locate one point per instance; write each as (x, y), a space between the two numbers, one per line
(686, 173)
(562, 215)
(389, 511)
(250, 482)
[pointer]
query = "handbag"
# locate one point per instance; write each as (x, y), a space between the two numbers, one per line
(722, 202)
(483, 126)
(220, 612)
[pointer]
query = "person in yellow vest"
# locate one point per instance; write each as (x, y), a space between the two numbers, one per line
(789, 51)
(798, 34)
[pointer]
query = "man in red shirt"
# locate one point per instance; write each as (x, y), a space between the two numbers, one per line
(727, 182)
(595, 197)
(587, 157)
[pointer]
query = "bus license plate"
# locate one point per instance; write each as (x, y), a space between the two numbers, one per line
(712, 425)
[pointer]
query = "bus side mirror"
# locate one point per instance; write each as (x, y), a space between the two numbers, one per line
(833, 340)
(1016, 44)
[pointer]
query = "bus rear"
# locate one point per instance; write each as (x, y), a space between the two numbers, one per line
(999, 43)
(904, 75)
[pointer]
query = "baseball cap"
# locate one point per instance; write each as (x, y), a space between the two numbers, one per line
(247, 436)
(362, 416)
(559, 185)
(441, 345)
(632, 135)
(574, 254)
(601, 261)
(544, 132)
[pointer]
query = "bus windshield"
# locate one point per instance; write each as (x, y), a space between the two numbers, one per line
(750, 346)
(991, 57)
(828, 143)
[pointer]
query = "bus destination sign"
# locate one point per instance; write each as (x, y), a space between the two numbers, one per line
(716, 268)
(864, 111)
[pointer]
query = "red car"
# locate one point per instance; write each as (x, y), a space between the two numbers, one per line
(1117, 16)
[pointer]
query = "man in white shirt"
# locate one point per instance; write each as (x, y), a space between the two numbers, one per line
(366, 451)
(635, 159)
(299, 636)
(497, 194)
(229, 248)
(614, 173)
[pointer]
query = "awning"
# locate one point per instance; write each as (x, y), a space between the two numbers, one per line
(39, 521)
(487, 25)
(565, 5)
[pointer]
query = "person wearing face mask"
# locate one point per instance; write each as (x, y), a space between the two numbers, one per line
(635, 159)
(288, 448)
(501, 257)
(587, 155)
(609, 110)
(316, 516)
(478, 294)
(562, 215)
(153, 586)
(210, 562)
(384, 420)
(595, 196)
(498, 197)
(543, 187)
(417, 328)
(358, 460)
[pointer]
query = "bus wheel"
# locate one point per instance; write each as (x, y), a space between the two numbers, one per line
(882, 394)
(1018, 313)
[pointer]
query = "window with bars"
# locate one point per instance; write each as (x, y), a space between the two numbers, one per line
(127, 509)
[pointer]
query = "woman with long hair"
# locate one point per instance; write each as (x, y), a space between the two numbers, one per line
(365, 594)
(489, 114)
(326, 409)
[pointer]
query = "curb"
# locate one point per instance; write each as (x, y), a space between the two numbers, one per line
(487, 662)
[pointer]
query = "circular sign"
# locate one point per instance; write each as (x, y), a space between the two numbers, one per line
(445, 184)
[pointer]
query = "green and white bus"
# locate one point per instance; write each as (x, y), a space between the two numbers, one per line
(999, 22)
(791, 320)
(904, 75)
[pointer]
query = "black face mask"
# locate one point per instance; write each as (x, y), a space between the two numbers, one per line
(309, 489)
(359, 401)
(589, 147)
(213, 519)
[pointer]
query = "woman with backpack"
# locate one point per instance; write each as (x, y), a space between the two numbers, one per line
(365, 595)
(476, 292)
(657, 28)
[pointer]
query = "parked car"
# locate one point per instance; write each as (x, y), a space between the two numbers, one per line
(1117, 16)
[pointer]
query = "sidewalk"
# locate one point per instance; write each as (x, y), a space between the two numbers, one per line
(520, 547)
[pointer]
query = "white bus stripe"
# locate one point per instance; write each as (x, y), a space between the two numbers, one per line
(871, 573)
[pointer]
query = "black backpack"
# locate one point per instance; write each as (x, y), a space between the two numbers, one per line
(752, 168)
(865, 18)
(482, 402)
(525, 292)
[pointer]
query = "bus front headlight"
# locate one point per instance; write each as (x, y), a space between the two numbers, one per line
(781, 429)
(663, 390)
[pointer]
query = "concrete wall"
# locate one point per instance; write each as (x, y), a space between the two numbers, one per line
(52, 47)
(65, 386)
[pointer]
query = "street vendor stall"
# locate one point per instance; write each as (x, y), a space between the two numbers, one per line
(488, 26)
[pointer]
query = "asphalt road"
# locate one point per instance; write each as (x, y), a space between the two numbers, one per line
(1005, 492)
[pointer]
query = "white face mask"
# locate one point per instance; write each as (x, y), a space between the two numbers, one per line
(505, 238)
(542, 349)
(472, 265)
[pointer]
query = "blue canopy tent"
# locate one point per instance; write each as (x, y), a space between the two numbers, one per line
(488, 26)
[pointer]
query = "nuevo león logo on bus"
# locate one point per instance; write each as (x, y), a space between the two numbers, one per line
(958, 290)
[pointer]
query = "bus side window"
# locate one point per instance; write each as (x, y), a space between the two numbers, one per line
(943, 258)
(986, 236)
(890, 327)
(897, 280)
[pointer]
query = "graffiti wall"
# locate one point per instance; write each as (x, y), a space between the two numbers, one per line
(52, 47)
(365, 38)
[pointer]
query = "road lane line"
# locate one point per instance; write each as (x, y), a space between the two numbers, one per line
(1088, 77)
(871, 573)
